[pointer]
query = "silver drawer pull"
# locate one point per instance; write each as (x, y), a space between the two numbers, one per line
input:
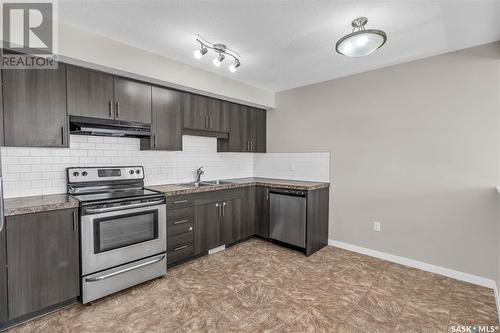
(125, 270)
(181, 221)
(190, 228)
(180, 201)
(180, 248)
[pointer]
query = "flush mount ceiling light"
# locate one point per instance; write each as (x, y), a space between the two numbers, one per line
(360, 42)
(222, 52)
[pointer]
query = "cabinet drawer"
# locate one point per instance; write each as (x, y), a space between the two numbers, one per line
(183, 253)
(179, 226)
(180, 247)
(175, 242)
(179, 201)
(178, 214)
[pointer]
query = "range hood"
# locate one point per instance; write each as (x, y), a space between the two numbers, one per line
(108, 127)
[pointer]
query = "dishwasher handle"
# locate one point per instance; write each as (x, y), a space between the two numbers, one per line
(296, 193)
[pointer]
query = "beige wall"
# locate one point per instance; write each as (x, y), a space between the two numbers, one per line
(87, 47)
(414, 146)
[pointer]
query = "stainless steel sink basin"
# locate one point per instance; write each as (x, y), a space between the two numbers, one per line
(195, 184)
(218, 182)
(207, 183)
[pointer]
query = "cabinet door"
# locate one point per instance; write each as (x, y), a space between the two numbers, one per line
(3, 277)
(262, 211)
(167, 120)
(257, 130)
(42, 254)
(90, 93)
(132, 100)
(238, 132)
(34, 103)
(218, 116)
(206, 227)
(195, 111)
(231, 221)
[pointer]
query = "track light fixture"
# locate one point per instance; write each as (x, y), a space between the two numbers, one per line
(222, 52)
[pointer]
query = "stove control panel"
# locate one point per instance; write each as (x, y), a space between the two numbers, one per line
(96, 174)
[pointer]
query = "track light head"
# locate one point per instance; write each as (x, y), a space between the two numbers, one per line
(198, 53)
(219, 59)
(234, 67)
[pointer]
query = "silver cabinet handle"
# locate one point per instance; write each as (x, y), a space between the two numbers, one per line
(190, 228)
(180, 201)
(251, 145)
(206, 121)
(62, 135)
(154, 140)
(218, 209)
(117, 109)
(211, 122)
(223, 208)
(181, 221)
(125, 270)
(180, 248)
(110, 107)
(267, 194)
(111, 209)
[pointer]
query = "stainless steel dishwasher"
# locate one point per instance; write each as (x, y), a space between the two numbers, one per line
(288, 216)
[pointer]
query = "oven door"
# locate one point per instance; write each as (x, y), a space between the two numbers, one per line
(121, 236)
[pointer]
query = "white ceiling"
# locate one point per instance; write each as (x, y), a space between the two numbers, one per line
(287, 44)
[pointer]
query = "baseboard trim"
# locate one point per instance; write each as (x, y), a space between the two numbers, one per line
(479, 280)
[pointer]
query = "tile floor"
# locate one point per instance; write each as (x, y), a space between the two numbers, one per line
(257, 286)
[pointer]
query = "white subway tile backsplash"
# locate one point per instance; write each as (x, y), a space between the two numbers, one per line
(42, 171)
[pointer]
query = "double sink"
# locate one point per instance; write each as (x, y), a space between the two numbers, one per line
(207, 183)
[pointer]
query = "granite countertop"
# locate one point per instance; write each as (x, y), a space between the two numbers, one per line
(27, 205)
(172, 189)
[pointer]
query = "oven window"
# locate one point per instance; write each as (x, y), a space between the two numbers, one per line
(118, 231)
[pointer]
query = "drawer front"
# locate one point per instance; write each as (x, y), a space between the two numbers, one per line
(216, 196)
(179, 201)
(175, 242)
(180, 247)
(178, 214)
(180, 226)
(184, 253)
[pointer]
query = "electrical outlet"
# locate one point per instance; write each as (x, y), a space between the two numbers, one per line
(376, 226)
(291, 166)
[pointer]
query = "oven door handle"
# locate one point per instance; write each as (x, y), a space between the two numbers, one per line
(112, 209)
(125, 270)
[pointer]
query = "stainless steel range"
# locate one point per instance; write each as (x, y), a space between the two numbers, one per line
(122, 229)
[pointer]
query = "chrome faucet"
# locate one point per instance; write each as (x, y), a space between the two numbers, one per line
(199, 172)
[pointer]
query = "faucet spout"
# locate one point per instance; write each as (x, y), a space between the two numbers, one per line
(199, 173)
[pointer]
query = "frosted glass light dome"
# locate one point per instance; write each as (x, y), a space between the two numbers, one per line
(362, 42)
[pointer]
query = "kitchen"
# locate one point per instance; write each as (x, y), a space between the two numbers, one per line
(146, 194)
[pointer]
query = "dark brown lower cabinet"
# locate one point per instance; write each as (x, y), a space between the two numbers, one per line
(3, 277)
(262, 211)
(232, 221)
(42, 257)
(206, 227)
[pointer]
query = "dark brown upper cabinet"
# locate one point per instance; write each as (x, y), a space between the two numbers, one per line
(204, 113)
(247, 129)
(34, 103)
(43, 260)
(132, 100)
(257, 130)
(90, 93)
(166, 121)
(101, 95)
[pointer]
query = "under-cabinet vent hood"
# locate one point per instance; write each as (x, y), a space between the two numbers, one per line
(108, 127)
